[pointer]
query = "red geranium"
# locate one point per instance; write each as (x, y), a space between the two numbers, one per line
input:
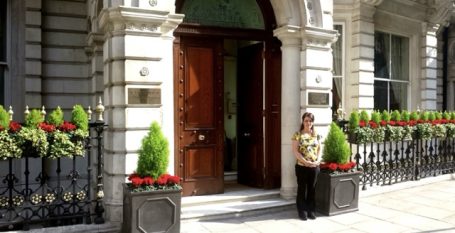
(67, 127)
(173, 180)
(373, 124)
(383, 123)
(46, 127)
(14, 126)
(137, 181)
(392, 123)
(162, 180)
(362, 124)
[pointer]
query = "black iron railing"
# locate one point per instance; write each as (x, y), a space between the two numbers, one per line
(54, 192)
(394, 162)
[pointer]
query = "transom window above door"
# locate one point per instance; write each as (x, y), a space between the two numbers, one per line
(391, 71)
(231, 14)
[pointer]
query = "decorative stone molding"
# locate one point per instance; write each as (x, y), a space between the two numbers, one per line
(289, 35)
(127, 20)
(318, 37)
(370, 2)
(440, 12)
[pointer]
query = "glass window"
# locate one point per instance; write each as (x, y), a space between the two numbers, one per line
(391, 71)
(338, 70)
(3, 47)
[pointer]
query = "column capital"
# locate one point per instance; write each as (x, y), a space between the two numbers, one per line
(289, 35)
(138, 21)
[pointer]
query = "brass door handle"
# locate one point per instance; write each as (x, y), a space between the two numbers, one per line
(201, 137)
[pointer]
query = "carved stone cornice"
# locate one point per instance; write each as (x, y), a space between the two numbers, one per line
(370, 2)
(318, 37)
(440, 12)
(138, 21)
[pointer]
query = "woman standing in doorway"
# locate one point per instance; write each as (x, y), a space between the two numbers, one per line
(307, 149)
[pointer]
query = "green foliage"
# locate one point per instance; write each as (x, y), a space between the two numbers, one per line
(385, 116)
(424, 116)
(4, 118)
(405, 116)
(336, 148)
(431, 116)
(446, 115)
(153, 154)
(376, 117)
(438, 115)
(395, 116)
(452, 115)
(354, 120)
(79, 117)
(33, 119)
(364, 116)
(414, 116)
(56, 117)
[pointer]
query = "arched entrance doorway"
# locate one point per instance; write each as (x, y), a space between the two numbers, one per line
(227, 85)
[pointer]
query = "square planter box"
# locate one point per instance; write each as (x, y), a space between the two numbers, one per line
(152, 211)
(337, 193)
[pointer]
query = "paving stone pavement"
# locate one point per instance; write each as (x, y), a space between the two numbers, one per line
(427, 205)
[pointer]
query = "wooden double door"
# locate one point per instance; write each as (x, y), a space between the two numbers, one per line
(199, 107)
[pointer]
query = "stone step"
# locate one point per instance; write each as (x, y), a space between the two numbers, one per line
(233, 203)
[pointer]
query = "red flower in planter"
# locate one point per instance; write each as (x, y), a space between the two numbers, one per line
(162, 180)
(373, 124)
(46, 127)
(14, 126)
(392, 123)
(137, 181)
(148, 180)
(173, 180)
(333, 166)
(383, 123)
(67, 127)
(362, 124)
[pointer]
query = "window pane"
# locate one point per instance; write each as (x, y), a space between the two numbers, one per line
(336, 94)
(380, 95)
(2, 85)
(400, 58)
(2, 30)
(337, 51)
(398, 93)
(381, 55)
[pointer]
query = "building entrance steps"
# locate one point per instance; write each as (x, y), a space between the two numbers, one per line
(236, 201)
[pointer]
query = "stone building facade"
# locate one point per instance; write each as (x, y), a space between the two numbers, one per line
(66, 52)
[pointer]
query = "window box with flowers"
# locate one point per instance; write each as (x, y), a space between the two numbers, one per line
(152, 198)
(39, 137)
(337, 188)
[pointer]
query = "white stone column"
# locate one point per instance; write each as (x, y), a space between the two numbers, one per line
(290, 104)
(451, 69)
(137, 55)
(428, 82)
(361, 80)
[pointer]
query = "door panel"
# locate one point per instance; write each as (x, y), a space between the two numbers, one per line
(273, 114)
(200, 120)
(250, 119)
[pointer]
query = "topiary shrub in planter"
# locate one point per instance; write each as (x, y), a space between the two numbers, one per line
(152, 198)
(337, 188)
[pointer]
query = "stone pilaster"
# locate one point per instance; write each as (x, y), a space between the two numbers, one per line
(137, 58)
(428, 82)
(451, 69)
(361, 81)
(290, 102)
(316, 75)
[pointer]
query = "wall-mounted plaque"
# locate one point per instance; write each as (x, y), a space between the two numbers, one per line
(144, 96)
(318, 98)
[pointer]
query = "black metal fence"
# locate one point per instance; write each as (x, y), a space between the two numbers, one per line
(393, 162)
(54, 192)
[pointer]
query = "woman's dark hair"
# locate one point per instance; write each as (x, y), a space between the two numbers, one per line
(311, 116)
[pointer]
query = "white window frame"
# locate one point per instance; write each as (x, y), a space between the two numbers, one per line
(409, 81)
(5, 64)
(343, 65)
